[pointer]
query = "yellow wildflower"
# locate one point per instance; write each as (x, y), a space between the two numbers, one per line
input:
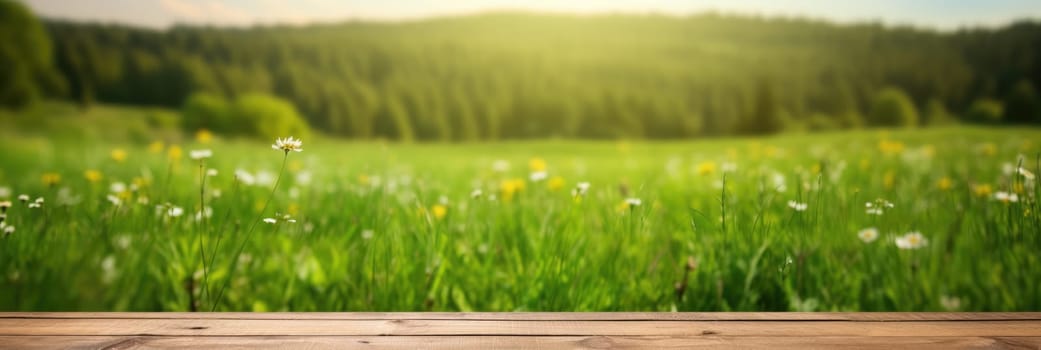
(156, 147)
(555, 183)
(92, 175)
(50, 179)
(889, 179)
(982, 190)
(888, 147)
(510, 187)
(174, 153)
(944, 183)
(203, 136)
(439, 211)
(988, 149)
(119, 155)
(706, 168)
(537, 164)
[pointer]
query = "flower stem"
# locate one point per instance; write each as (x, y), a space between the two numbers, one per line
(249, 234)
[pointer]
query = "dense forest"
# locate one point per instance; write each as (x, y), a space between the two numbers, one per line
(522, 75)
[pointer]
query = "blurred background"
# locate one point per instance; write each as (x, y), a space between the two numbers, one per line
(466, 70)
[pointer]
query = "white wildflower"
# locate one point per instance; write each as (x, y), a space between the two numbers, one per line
(1006, 197)
(288, 144)
(633, 202)
(797, 205)
(1026, 174)
(911, 240)
(580, 189)
(501, 166)
(207, 212)
(304, 178)
(245, 177)
(538, 176)
(367, 234)
(199, 154)
(114, 200)
(868, 235)
(280, 218)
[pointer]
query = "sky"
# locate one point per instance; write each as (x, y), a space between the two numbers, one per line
(939, 14)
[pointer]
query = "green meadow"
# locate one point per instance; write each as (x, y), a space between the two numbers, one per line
(823, 222)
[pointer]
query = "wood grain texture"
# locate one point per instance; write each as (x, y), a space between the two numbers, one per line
(554, 316)
(514, 342)
(521, 330)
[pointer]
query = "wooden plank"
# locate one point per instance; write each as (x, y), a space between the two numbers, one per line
(500, 342)
(553, 316)
(314, 327)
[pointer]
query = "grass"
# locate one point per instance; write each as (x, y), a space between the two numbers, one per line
(393, 227)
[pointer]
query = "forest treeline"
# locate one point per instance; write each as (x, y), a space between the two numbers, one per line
(522, 75)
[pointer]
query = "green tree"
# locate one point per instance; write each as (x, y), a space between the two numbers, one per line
(764, 117)
(1022, 103)
(892, 107)
(25, 57)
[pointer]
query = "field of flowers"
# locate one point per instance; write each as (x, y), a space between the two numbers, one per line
(942, 219)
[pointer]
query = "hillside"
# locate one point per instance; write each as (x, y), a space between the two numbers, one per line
(525, 75)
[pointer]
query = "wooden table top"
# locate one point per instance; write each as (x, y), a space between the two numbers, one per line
(521, 330)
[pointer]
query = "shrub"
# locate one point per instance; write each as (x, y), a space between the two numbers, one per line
(267, 117)
(207, 111)
(892, 107)
(986, 110)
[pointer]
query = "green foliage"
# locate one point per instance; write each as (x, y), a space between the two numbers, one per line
(25, 55)
(986, 110)
(520, 75)
(1023, 105)
(267, 117)
(892, 107)
(764, 117)
(936, 113)
(368, 234)
(208, 111)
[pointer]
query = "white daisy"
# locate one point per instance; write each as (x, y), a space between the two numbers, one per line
(580, 189)
(245, 177)
(288, 144)
(633, 202)
(1006, 197)
(1022, 172)
(538, 176)
(911, 240)
(868, 235)
(198, 154)
(115, 200)
(501, 166)
(797, 206)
